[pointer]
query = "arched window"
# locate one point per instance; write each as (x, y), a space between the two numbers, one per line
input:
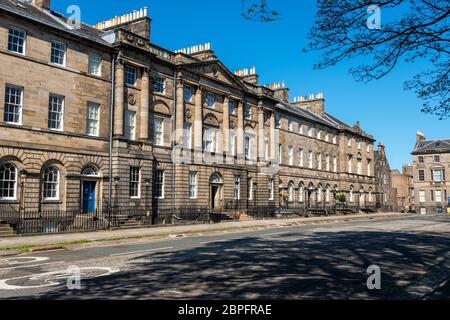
(301, 191)
(327, 194)
(90, 171)
(370, 195)
(351, 195)
(291, 192)
(319, 193)
(50, 187)
(8, 181)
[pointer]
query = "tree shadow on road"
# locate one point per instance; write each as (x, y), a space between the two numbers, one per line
(291, 266)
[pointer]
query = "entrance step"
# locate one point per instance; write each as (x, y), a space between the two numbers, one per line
(245, 217)
(6, 231)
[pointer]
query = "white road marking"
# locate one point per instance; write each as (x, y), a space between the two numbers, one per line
(21, 260)
(31, 266)
(137, 252)
(218, 241)
(49, 278)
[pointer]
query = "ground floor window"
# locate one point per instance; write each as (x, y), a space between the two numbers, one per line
(135, 182)
(193, 185)
(8, 181)
(237, 188)
(159, 184)
(270, 187)
(51, 183)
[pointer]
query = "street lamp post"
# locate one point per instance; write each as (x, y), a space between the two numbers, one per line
(116, 196)
(23, 179)
(147, 187)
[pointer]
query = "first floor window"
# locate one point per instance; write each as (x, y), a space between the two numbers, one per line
(279, 154)
(159, 131)
(135, 182)
(300, 158)
(271, 190)
(437, 175)
(247, 112)
(210, 140)
(438, 196)
(93, 119)
(159, 184)
(327, 163)
(319, 161)
(290, 156)
(334, 164)
(421, 175)
(310, 159)
(8, 181)
(232, 107)
(369, 167)
(13, 104)
(237, 188)
(422, 198)
(350, 164)
(51, 183)
(130, 125)
(193, 185)
(56, 112)
(359, 166)
(188, 135)
(247, 144)
(266, 149)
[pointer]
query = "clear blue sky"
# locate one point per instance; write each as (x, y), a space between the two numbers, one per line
(384, 109)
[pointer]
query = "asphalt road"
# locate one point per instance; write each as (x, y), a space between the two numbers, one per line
(309, 262)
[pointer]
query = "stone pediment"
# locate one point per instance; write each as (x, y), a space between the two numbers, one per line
(211, 120)
(216, 70)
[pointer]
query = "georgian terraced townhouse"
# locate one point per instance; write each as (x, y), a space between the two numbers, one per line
(431, 167)
(72, 96)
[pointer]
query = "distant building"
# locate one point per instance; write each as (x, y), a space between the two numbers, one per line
(431, 164)
(403, 189)
(384, 200)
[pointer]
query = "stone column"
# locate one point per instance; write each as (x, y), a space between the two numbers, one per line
(273, 140)
(119, 98)
(240, 131)
(261, 143)
(226, 125)
(145, 105)
(198, 121)
(179, 112)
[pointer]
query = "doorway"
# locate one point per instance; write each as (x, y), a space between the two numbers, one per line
(215, 192)
(89, 196)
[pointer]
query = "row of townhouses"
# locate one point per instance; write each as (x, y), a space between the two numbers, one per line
(100, 115)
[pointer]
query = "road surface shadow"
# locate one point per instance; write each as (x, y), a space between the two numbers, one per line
(326, 265)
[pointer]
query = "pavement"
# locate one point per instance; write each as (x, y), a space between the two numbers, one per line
(48, 241)
(287, 262)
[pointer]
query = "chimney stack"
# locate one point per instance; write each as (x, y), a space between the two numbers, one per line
(420, 136)
(42, 4)
(381, 147)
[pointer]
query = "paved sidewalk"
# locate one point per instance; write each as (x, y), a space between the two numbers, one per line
(179, 230)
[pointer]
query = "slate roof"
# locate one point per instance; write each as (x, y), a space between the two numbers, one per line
(51, 19)
(435, 146)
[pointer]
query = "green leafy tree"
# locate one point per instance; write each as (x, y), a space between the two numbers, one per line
(420, 30)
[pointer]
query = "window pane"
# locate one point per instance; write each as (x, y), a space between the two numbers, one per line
(16, 40)
(51, 183)
(58, 54)
(95, 62)
(92, 124)
(135, 181)
(55, 112)
(8, 181)
(13, 105)
(130, 75)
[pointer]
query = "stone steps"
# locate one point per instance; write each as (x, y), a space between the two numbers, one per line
(6, 231)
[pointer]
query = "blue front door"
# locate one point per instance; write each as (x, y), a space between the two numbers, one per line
(89, 196)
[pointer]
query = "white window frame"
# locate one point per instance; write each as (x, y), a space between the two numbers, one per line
(95, 62)
(271, 187)
(4, 182)
(422, 196)
(160, 183)
(130, 125)
(437, 177)
(24, 44)
(56, 51)
(55, 184)
(193, 184)
(290, 155)
(438, 196)
(187, 135)
(58, 101)
(8, 105)
(158, 134)
(93, 122)
(160, 85)
(135, 184)
(130, 73)
(232, 107)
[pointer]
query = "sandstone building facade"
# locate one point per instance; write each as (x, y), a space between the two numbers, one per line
(99, 116)
(403, 188)
(431, 167)
(385, 197)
